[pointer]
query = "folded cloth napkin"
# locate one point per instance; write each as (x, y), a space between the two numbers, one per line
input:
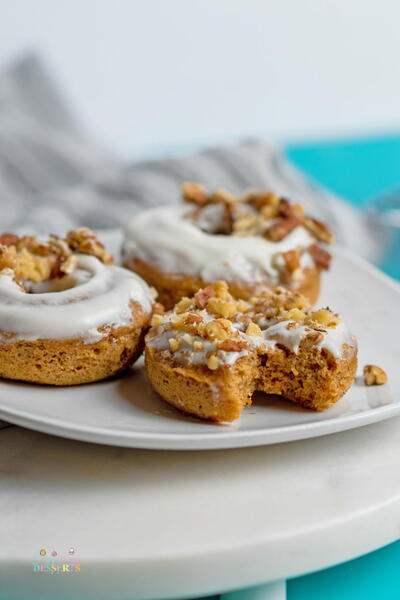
(54, 176)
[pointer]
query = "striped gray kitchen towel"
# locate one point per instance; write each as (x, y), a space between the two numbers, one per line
(54, 176)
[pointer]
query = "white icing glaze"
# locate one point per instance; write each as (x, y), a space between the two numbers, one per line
(276, 333)
(332, 340)
(185, 353)
(96, 295)
(164, 239)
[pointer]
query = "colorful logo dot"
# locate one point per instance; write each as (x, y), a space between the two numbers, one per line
(42, 552)
(54, 553)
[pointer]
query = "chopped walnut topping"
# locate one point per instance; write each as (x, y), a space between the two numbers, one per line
(258, 213)
(203, 296)
(279, 230)
(187, 338)
(69, 264)
(325, 317)
(6, 239)
(294, 314)
(158, 308)
(321, 231)
(59, 244)
(213, 362)
(298, 211)
(245, 225)
(83, 240)
(285, 208)
(253, 329)
(222, 307)
(233, 345)
(269, 212)
(242, 306)
(173, 344)
(217, 299)
(321, 257)
(184, 305)
(222, 290)
(316, 337)
(157, 320)
(220, 329)
(223, 196)
(192, 319)
(36, 261)
(195, 193)
(218, 324)
(292, 260)
(261, 198)
(374, 375)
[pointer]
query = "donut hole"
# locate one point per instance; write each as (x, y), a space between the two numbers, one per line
(57, 284)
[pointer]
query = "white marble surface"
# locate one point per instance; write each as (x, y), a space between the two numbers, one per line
(152, 524)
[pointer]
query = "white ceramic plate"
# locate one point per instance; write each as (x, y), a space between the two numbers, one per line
(126, 412)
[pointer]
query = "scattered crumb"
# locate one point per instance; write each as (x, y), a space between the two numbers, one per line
(374, 375)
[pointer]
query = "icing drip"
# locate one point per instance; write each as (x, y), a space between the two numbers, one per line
(76, 306)
(184, 248)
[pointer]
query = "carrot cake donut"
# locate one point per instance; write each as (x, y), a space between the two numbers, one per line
(67, 315)
(256, 241)
(209, 355)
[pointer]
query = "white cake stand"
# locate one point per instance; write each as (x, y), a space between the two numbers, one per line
(152, 524)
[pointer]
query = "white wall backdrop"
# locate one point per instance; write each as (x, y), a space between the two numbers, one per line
(148, 74)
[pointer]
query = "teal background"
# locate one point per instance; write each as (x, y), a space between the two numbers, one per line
(358, 170)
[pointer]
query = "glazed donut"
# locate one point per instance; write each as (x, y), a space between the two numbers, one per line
(67, 317)
(260, 240)
(208, 355)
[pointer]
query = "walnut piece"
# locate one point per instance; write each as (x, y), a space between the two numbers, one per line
(6, 239)
(84, 241)
(315, 337)
(36, 261)
(321, 231)
(221, 307)
(295, 314)
(222, 195)
(321, 257)
(158, 308)
(156, 320)
(232, 345)
(220, 329)
(252, 214)
(173, 344)
(325, 317)
(292, 260)
(281, 228)
(213, 362)
(253, 329)
(374, 375)
(202, 296)
(259, 199)
(192, 319)
(184, 305)
(195, 193)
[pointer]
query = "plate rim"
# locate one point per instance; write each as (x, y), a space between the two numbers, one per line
(222, 439)
(204, 441)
